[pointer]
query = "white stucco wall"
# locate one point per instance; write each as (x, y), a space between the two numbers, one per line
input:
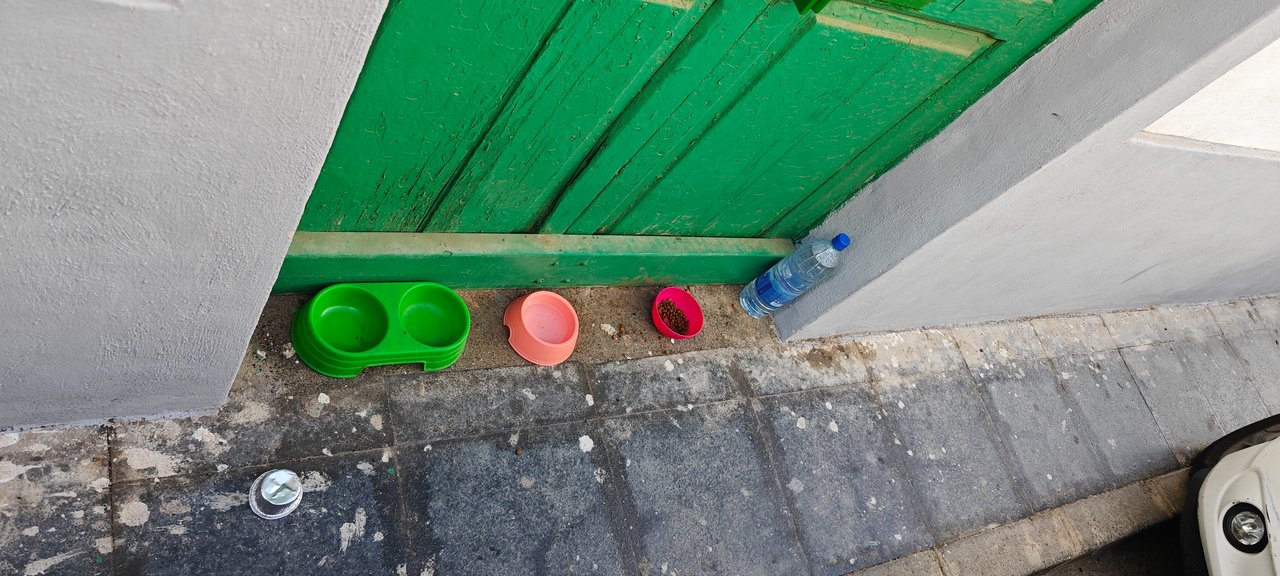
(1047, 197)
(157, 155)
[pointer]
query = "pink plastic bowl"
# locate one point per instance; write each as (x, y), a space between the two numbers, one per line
(687, 304)
(542, 327)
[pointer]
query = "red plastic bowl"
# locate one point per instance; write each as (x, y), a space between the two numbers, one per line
(687, 304)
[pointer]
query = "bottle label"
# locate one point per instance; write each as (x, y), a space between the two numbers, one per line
(768, 293)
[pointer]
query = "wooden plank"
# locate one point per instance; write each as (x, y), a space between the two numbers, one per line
(830, 86)
(930, 118)
(435, 77)
(317, 259)
(1001, 19)
(600, 56)
(717, 64)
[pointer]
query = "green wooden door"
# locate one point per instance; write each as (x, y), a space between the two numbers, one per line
(586, 127)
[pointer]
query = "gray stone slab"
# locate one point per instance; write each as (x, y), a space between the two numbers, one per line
(1112, 408)
(952, 454)
(1188, 322)
(1055, 456)
(428, 407)
(908, 353)
(844, 478)
(987, 344)
(1236, 317)
(663, 382)
(1213, 365)
(1176, 401)
(475, 506)
(704, 498)
(249, 432)
(54, 502)
(1067, 335)
(769, 371)
(1136, 327)
(1259, 352)
(1268, 309)
(347, 523)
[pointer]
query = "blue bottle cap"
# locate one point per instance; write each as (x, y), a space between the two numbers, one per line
(840, 242)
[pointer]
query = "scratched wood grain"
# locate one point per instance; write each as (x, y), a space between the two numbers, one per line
(803, 96)
(599, 57)
(433, 81)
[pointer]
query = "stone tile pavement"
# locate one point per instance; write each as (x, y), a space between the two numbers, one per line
(989, 449)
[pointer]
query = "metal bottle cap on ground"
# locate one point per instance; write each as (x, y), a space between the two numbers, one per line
(275, 494)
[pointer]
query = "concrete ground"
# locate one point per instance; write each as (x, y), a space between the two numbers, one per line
(1155, 551)
(1001, 448)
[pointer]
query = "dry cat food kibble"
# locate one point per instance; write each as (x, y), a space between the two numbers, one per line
(673, 316)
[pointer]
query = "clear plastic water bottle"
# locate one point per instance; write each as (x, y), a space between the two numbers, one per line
(807, 266)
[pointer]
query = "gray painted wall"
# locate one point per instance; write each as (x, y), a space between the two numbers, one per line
(157, 155)
(1038, 199)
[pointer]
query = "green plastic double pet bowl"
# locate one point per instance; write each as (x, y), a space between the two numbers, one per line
(348, 327)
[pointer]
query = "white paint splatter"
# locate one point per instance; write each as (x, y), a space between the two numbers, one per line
(64, 494)
(528, 394)
(795, 485)
(591, 401)
(871, 502)
(801, 423)
(386, 455)
(668, 365)
(601, 475)
(326, 452)
(288, 350)
(177, 530)
(351, 530)
(901, 405)
(9, 470)
(377, 536)
(556, 374)
(32, 531)
(514, 440)
(526, 482)
(103, 545)
(429, 569)
(609, 329)
(833, 426)
(251, 413)
(313, 481)
(78, 514)
(134, 514)
(586, 444)
(376, 421)
(41, 566)
(212, 442)
(402, 570)
(828, 405)
(142, 459)
(365, 467)
(426, 448)
(226, 500)
(222, 468)
(261, 354)
(322, 398)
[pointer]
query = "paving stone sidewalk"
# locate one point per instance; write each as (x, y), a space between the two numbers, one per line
(765, 458)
